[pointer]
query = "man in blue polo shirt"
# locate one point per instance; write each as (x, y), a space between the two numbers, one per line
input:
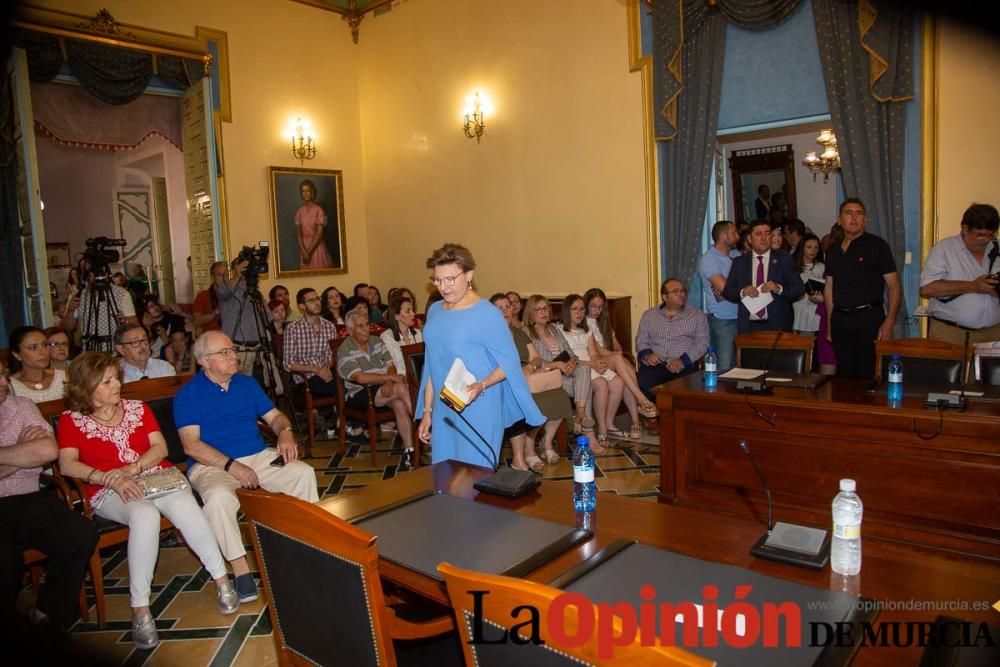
(216, 416)
(714, 269)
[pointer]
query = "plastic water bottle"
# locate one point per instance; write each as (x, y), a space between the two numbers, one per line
(845, 549)
(584, 488)
(711, 368)
(895, 378)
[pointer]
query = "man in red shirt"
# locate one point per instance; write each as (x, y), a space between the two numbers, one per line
(206, 303)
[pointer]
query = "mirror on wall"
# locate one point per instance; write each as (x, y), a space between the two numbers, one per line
(767, 171)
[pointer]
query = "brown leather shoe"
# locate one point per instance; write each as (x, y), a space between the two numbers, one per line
(652, 425)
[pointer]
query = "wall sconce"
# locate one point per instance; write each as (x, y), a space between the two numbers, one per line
(303, 147)
(475, 122)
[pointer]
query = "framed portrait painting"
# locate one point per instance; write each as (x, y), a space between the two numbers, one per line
(58, 255)
(307, 218)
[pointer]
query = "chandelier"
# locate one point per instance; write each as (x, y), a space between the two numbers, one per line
(826, 162)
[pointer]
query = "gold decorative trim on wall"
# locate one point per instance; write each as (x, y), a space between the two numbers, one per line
(929, 51)
(644, 66)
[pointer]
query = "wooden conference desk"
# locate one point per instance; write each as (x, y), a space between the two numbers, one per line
(925, 477)
(890, 572)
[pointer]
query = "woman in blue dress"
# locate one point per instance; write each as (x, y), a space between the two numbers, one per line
(464, 325)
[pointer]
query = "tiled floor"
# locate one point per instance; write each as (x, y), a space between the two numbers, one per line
(193, 633)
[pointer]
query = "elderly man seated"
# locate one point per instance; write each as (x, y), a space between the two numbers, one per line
(363, 359)
(216, 415)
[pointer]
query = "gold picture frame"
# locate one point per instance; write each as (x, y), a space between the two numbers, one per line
(295, 217)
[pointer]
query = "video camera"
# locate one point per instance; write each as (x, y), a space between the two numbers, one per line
(97, 257)
(256, 259)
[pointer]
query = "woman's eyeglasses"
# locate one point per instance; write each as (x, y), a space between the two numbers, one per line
(53, 343)
(446, 281)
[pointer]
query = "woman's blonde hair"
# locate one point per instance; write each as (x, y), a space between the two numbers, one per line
(85, 373)
(452, 253)
(529, 314)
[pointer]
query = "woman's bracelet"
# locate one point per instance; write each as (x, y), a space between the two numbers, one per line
(91, 475)
(428, 410)
(229, 463)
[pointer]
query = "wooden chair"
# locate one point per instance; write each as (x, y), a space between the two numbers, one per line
(310, 559)
(413, 360)
(792, 354)
(300, 395)
(984, 366)
(158, 394)
(33, 558)
(371, 415)
(504, 594)
(924, 360)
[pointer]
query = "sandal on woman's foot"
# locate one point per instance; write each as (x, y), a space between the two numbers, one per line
(550, 456)
(601, 447)
(635, 433)
(534, 463)
(648, 410)
(617, 433)
(587, 424)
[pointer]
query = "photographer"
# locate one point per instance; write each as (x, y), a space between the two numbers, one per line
(236, 314)
(99, 306)
(959, 279)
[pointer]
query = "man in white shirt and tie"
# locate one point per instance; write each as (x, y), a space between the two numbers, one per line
(764, 271)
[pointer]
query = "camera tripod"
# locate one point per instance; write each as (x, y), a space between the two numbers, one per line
(99, 314)
(265, 362)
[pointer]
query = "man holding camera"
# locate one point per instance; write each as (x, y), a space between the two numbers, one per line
(100, 306)
(960, 279)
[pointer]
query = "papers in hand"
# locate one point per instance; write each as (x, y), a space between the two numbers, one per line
(454, 393)
(755, 303)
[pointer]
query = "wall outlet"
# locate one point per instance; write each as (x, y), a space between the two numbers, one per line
(908, 259)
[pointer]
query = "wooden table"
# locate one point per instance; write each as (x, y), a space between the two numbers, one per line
(890, 571)
(926, 477)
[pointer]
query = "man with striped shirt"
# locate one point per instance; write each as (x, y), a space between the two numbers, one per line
(671, 339)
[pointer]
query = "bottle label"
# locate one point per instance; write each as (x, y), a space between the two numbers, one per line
(583, 474)
(895, 377)
(711, 367)
(847, 532)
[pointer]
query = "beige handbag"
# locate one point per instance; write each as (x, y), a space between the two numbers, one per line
(548, 380)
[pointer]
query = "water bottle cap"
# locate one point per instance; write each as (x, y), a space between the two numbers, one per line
(848, 485)
(583, 441)
(709, 349)
(895, 356)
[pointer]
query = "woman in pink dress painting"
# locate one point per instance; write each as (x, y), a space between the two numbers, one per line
(310, 221)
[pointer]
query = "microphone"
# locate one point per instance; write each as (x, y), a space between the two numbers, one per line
(763, 482)
(758, 385)
(787, 542)
(948, 400)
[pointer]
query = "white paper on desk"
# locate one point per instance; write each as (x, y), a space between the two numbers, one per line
(958, 392)
(741, 374)
(771, 378)
(755, 303)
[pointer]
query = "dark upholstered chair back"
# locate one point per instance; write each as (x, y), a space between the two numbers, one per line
(989, 370)
(320, 575)
(793, 353)
(926, 369)
(782, 361)
(163, 410)
(304, 579)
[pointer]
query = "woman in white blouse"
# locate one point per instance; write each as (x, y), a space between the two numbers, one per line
(402, 330)
(29, 365)
(606, 386)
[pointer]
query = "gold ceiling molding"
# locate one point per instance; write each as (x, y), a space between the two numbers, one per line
(352, 14)
(102, 28)
(644, 66)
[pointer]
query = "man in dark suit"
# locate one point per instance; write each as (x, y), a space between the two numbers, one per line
(764, 271)
(762, 204)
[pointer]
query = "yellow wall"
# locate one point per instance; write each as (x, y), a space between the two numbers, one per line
(286, 60)
(553, 198)
(968, 123)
